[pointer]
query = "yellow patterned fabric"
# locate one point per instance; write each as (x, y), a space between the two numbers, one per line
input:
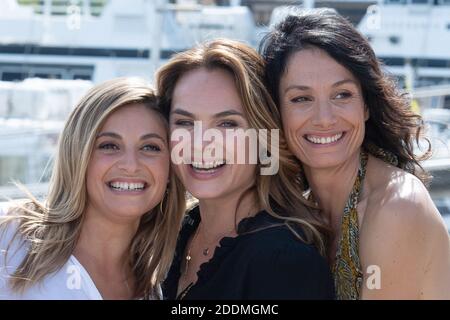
(347, 271)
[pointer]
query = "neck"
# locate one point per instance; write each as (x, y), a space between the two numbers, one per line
(104, 244)
(222, 215)
(332, 186)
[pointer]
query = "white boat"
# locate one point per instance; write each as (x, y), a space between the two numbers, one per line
(32, 115)
(412, 37)
(125, 38)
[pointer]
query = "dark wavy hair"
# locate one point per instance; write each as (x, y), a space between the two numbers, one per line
(392, 129)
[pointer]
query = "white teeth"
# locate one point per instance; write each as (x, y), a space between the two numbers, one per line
(207, 165)
(127, 186)
(324, 140)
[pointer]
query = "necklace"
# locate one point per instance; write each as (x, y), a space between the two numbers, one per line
(188, 256)
(205, 250)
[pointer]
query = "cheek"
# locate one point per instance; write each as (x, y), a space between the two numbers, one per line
(181, 149)
(355, 119)
(179, 154)
(356, 116)
(159, 168)
(245, 171)
(158, 172)
(244, 175)
(234, 149)
(293, 120)
(97, 168)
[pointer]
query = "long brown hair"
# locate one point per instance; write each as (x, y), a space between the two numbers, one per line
(280, 194)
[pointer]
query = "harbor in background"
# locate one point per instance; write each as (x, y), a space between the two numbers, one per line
(52, 52)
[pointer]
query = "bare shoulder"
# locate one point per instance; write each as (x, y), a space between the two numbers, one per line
(403, 232)
(399, 198)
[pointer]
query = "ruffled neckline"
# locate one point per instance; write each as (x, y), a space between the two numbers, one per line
(192, 220)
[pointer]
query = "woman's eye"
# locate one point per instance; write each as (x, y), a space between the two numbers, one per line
(300, 99)
(228, 124)
(151, 147)
(343, 95)
(108, 146)
(184, 123)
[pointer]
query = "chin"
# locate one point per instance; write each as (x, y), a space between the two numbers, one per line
(325, 162)
(205, 194)
(130, 211)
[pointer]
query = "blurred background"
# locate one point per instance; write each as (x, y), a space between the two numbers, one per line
(53, 51)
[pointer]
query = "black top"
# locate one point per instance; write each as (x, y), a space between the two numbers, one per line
(271, 263)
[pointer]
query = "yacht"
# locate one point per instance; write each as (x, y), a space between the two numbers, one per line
(412, 37)
(72, 41)
(32, 114)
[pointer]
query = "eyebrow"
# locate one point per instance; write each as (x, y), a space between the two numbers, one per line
(183, 113)
(304, 88)
(225, 113)
(228, 113)
(295, 86)
(344, 82)
(117, 136)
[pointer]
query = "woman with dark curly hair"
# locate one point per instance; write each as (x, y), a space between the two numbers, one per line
(354, 133)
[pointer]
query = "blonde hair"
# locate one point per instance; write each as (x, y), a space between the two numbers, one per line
(281, 194)
(52, 228)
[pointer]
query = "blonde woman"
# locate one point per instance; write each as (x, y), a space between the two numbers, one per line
(251, 237)
(107, 227)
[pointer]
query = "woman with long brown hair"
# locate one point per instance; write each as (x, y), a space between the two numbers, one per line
(251, 235)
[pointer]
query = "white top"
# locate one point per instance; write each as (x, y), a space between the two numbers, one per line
(71, 282)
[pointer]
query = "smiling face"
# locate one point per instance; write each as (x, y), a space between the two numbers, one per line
(322, 109)
(129, 166)
(210, 96)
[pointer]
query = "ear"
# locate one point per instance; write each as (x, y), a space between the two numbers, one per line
(366, 113)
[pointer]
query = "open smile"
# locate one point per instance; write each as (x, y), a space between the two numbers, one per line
(206, 170)
(123, 186)
(324, 139)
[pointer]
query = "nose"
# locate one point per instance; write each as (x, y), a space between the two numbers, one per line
(324, 115)
(203, 138)
(129, 162)
(197, 141)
